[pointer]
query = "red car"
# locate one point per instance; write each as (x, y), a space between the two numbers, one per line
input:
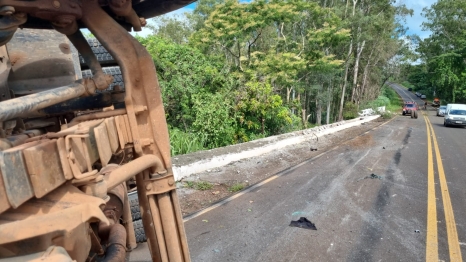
(410, 108)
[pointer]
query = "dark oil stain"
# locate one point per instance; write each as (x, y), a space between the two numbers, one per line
(408, 135)
(373, 232)
(397, 157)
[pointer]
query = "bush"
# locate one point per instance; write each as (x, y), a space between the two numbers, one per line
(386, 115)
(350, 111)
(408, 85)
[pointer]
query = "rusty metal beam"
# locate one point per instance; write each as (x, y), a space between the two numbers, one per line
(133, 168)
(21, 106)
(149, 133)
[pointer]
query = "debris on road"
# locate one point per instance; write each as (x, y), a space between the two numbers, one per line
(417, 231)
(303, 223)
(371, 176)
(205, 220)
(313, 142)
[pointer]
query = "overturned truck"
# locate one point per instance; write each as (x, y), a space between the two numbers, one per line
(74, 139)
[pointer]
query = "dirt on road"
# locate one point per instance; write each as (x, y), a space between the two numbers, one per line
(204, 189)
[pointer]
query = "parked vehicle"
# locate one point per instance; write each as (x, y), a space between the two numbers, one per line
(441, 110)
(410, 108)
(423, 97)
(455, 115)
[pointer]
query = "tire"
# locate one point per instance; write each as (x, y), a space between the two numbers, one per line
(139, 231)
(103, 56)
(412, 115)
(415, 114)
(134, 204)
(445, 124)
(404, 113)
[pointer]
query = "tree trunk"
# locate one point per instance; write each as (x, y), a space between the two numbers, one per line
(319, 106)
(303, 110)
(288, 93)
(365, 74)
(304, 117)
(263, 125)
(318, 113)
(345, 80)
(360, 47)
(329, 101)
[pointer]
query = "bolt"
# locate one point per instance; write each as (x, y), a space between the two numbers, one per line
(148, 187)
(143, 21)
(56, 4)
(171, 181)
(63, 21)
(20, 15)
(7, 10)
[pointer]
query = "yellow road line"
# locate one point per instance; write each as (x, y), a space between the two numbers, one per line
(431, 237)
(453, 243)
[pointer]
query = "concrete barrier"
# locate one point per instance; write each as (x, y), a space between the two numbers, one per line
(186, 165)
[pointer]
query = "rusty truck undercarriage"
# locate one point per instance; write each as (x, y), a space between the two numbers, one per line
(63, 139)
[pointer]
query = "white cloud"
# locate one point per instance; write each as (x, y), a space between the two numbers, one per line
(414, 23)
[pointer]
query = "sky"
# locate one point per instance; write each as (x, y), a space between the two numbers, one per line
(413, 23)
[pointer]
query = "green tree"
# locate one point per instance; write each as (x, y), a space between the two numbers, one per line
(443, 53)
(257, 107)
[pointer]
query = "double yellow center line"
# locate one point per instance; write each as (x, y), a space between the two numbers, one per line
(432, 232)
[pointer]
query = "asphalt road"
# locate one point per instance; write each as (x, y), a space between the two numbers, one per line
(395, 193)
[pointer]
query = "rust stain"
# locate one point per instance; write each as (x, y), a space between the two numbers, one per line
(16, 56)
(65, 48)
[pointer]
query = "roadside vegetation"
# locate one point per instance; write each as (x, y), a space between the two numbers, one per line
(236, 187)
(441, 57)
(234, 71)
(202, 185)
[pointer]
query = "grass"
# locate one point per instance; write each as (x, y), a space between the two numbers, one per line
(236, 187)
(184, 143)
(203, 185)
(189, 184)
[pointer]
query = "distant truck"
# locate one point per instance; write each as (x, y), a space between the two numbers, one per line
(436, 102)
